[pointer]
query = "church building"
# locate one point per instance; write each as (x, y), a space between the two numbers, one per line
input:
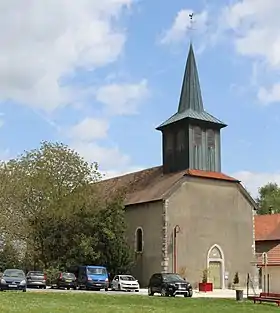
(186, 216)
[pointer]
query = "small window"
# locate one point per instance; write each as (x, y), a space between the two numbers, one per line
(210, 138)
(139, 240)
(180, 140)
(169, 141)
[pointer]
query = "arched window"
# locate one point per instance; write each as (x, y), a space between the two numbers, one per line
(139, 240)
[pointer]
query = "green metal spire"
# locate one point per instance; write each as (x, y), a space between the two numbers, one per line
(191, 98)
(191, 104)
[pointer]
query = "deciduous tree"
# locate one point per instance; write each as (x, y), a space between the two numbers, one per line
(269, 199)
(51, 197)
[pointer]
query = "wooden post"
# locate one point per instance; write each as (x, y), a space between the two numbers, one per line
(248, 279)
(267, 283)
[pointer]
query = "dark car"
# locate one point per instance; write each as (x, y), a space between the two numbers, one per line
(65, 280)
(13, 279)
(36, 279)
(169, 284)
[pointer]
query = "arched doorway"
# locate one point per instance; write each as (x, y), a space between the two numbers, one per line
(216, 267)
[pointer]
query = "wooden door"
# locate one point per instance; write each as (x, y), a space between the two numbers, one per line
(215, 274)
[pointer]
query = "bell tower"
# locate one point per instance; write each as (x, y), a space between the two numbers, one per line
(191, 137)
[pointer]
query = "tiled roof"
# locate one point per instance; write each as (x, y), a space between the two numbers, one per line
(273, 257)
(267, 227)
(213, 175)
(151, 184)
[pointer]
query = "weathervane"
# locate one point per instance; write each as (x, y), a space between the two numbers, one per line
(191, 28)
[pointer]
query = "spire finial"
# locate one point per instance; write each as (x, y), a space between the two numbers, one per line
(191, 28)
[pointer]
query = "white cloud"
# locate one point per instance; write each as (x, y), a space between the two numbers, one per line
(122, 99)
(90, 129)
(5, 155)
(182, 26)
(108, 158)
(43, 41)
(271, 95)
(255, 25)
(253, 181)
(2, 121)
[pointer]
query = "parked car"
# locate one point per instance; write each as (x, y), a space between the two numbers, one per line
(65, 280)
(13, 279)
(91, 277)
(36, 279)
(125, 283)
(169, 284)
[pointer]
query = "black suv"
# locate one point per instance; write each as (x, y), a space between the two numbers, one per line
(169, 284)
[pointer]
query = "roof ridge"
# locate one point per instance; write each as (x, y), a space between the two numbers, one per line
(131, 173)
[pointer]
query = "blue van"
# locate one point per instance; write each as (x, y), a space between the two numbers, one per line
(91, 277)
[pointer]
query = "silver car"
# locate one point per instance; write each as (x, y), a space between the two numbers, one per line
(36, 279)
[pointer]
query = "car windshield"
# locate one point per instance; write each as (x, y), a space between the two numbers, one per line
(68, 275)
(127, 277)
(172, 277)
(13, 273)
(96, 271)
(35, 274)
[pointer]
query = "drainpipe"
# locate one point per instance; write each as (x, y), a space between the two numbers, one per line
(175, 252)
(164, 263)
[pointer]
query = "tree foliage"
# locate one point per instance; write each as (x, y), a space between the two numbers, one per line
(51, 198)
(9, 257)
(269, 199)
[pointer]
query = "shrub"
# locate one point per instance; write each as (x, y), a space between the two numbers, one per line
(236, 278)
(205, 275)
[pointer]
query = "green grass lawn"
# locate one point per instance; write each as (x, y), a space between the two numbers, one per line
(32, 302)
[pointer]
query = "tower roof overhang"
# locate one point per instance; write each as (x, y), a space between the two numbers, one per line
(195, 117)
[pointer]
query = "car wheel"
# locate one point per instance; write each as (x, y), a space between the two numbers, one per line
(119, 287)
(150, 293)
(164, 292)
(24, 290)
(190, 293)
(137, 290)
(106, 289)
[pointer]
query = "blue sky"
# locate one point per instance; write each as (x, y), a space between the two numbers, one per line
(101, 76)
